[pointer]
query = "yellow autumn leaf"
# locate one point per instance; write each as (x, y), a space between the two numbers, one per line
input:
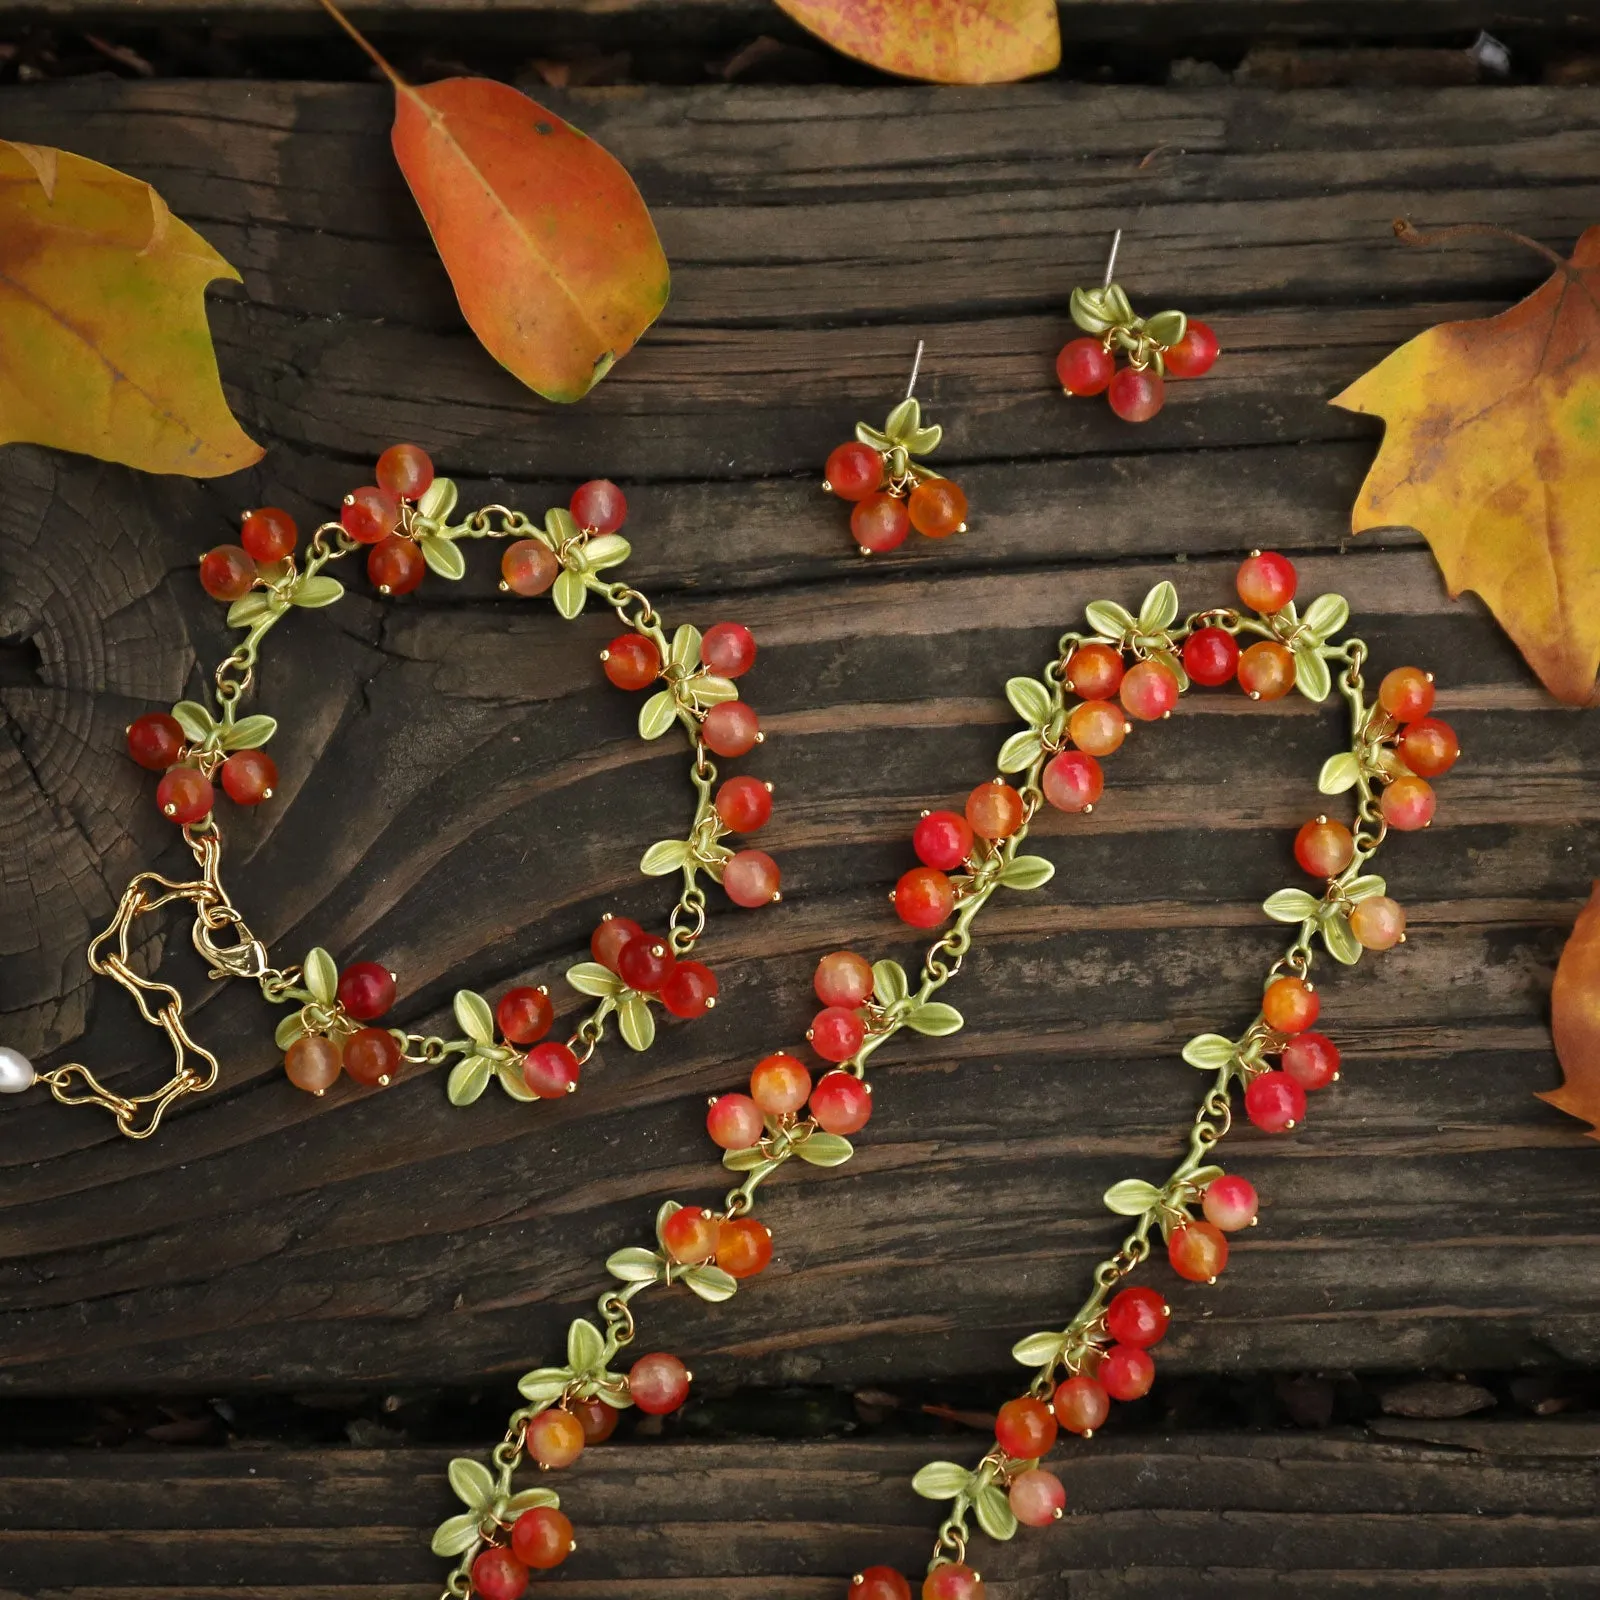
(104, 347)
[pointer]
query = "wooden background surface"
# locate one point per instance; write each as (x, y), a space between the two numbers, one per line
(444, 760)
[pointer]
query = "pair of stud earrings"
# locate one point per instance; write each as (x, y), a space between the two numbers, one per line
(892, 492)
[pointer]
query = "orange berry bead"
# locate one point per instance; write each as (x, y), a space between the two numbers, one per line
(395, 565)
(994, 810)
(370, 514)
(529, 567)
(631, 661)
(879, 522)
(1266, 671)
(1408, 804)
(249, 777)
(372, 1056)
(1378, 923)
(1097, 727)
(843, 979)
(744, 1247)
(1198, 1252)
(1149, 691)
(227, 573)
(937, 508)
(598, 1420)
(542, 1538)
(268, 534)
(1081, 1405)
(690, 1235)
(405, 470)
(1025, 1428)
(1290, 1005)
(1324, 848)
(1266, 581)
(879, 1583)
(313, 1064)
(780, 1084)
(957, 1581)
(1406, 693)
(853, 471)
(555, 1438)
(1429, 747)
(1094, 671)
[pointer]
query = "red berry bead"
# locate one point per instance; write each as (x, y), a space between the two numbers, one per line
(1097, 727)
(1149, 691)
(1408, 804)
(1378, 923)
(1324, 848)
(1266, 581)
(1138, 1316)
(728, 649)
(880, 522)
(780, 1084)
(1194, 354)
(268, 535)
(249, 777)
(227, 573)
(1038, 1498)
(1094, 671)
(1274, 1102)
(405, 470)
(924, 897)
(1073, 781)
(313, 1064)
(529, 567)
(1290, 1005)
(1211, 656)
(744, 1247)
(942, 839)
(542, 1538)
(1266, 671)
(555, 1438)
(994, 810)
(599, 504)
(1136, 396)
(744, 804)
(645, 964)
(1429, 747)
(369, 514)
(1026, 1428)
(836, 1034)
(853, 471)
(1406, 693)
(598, 1420)
(955, 1582)
(1081, 1405)
(659, 1384)
(879, 1583)
(843, 979)
(735, 1122)
(631, 661)
(1198, 1252)
(730, 728)
(524, 1015)
(372, 1057)
(607, 941)
(691, 991)
(841, 1103)
(366, 990)
(155, 740)
(1311, 1059)
(185, 795)
(1230, 1203)
(1085, 366)
(690, 1235)
(498, 1575)
(550, 1070)
(937, 508)
(1127, 1372)
(751, 878)
(395, 565)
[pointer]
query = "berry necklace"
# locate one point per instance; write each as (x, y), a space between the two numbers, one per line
(1103, 1353)
(404, 523)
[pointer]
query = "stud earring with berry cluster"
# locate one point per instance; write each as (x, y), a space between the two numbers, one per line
(1167, 345)
(892, 492)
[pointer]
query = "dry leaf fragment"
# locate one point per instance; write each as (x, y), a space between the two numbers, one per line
(104, 347)
(1575, 1019)
(940, 41)
(1492, 450)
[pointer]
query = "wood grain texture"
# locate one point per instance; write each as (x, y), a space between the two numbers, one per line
(1447, 1509)
(445, 760)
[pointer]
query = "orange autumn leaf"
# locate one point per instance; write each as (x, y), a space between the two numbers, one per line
(940, 41)
(547, 241)
(1575, 1019)
(1491, 449)
(104, 347)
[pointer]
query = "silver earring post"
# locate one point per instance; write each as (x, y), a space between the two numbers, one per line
(916, 367)
(1111, 260)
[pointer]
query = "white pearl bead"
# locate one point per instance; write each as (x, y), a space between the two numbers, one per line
(16, 1071)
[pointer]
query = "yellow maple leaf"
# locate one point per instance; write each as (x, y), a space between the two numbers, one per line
(1491, 449)
(104, 347)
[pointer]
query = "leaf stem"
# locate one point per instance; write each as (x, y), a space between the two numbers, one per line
(350, 28)
(1422, 237)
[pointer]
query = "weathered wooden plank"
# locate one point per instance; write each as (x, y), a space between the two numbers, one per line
(1327, 1514)
(444, 760)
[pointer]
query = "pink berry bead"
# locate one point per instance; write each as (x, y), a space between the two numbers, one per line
(1149, 691)
(1408, 804)
(1081, 1405)
(1085, 367)
(1073, 781)
(1037, 1498)
(943, 840)
(659, 1384)
(957, 1581)
(1194, 354)
(730, 728)
(879, 1583)
(1136, 396)
(498, 1575)
(751, 878)
(853, 470)
(1127, 1372)
(836, 1034)
(550, 1070)
(1274, 1102)
(1266, 581)
(843, 979)
(1311, 1059)
(1138, 1316)
(1230, 1203)
(728, 649)
(841, 1103)
(599, 504)
(734, 1122)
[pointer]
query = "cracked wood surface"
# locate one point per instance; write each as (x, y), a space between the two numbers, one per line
(1504, 1508)
(444, 759)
